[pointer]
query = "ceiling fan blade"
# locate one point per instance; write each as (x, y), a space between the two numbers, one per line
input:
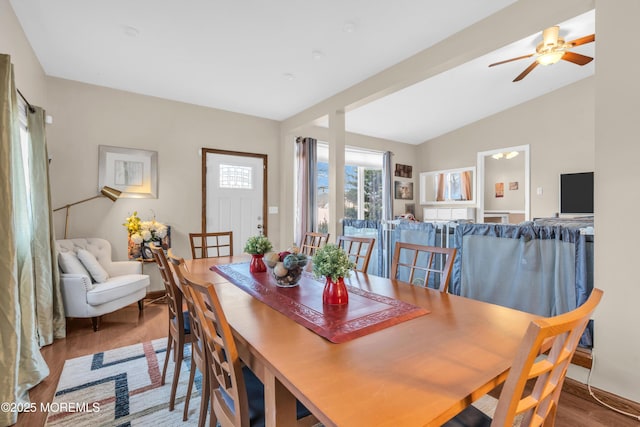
(525, 72)
(583, 40)
(512, 59)
(576, 58)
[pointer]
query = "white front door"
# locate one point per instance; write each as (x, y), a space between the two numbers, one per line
(235, 194)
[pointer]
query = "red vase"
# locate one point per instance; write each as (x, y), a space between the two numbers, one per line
(257, 264)
(335, 293)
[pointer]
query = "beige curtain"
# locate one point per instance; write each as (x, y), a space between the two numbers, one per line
(49, 308)
(440, 188)
(21, 363)
(466, 185)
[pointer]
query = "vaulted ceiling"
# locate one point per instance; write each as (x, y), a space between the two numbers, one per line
(273, 59)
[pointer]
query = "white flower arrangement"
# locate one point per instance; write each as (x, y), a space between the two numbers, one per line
(144, 231)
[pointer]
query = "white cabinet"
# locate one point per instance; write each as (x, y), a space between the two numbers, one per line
(448, 214)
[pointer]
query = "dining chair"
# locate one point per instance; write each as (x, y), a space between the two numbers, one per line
(211, 245)
(543, 356)
(312, 241)
(358, 249)
(426, 260)
(237, 394)
(198, 354)
(179, 324)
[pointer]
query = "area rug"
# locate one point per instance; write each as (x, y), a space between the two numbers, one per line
(121, 387)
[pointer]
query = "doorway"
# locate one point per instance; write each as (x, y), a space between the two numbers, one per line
(503, 185)
(234, 194)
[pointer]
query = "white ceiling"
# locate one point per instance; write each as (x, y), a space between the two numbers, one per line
(257, 57)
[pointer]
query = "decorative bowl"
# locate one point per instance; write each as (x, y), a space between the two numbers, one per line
(288, 270)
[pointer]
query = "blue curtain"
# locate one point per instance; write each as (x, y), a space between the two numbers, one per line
(537, 269)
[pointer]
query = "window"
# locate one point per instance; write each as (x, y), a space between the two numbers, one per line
(24, 145)
(238, 177)
(322, 191)
(362, 185)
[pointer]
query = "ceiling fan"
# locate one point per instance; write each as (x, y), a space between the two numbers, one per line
(551, 50)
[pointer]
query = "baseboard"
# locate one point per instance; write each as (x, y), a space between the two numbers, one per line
(580, 389)
(582, 357)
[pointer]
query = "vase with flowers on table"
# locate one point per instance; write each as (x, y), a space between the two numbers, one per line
(332, 262)
(257, 246)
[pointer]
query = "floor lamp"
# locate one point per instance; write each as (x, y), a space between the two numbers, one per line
(108, 192)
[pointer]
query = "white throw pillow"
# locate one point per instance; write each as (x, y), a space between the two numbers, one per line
(70, 264)
(98, 273)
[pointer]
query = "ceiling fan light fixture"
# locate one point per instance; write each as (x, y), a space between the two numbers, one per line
(552, 49)
(551, 57)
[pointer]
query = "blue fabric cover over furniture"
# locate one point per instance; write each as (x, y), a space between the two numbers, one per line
(537, 269)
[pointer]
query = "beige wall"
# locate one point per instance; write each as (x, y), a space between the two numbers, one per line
(558, 127)
(29, 76)
(86, 116)
(504, 171)
(617, 202)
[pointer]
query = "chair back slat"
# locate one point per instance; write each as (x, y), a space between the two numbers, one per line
(312, 241)
(223, 358)
(197, 350)
(432, 263)
(544, 357)
(358, 249)
(173, 293)
(211, 245)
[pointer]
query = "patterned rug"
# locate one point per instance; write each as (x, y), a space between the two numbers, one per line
(121, 387)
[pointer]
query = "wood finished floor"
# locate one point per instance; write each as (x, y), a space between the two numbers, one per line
(128, 326)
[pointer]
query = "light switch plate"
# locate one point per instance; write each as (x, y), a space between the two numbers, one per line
(273, 209)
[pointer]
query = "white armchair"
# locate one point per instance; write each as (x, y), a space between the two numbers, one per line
(120, 282)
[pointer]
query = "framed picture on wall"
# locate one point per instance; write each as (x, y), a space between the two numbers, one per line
(403, 171)
(404, 190)
(132, 171)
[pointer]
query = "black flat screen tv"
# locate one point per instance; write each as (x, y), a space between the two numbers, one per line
(576, 193)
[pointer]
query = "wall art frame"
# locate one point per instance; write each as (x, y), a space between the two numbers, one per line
(130, 170)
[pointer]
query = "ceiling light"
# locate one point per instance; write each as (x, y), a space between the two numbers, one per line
(317, 54)
(289, 77)
(549, 58)
(508, 156)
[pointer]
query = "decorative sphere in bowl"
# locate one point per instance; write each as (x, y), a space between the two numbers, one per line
(288, 270)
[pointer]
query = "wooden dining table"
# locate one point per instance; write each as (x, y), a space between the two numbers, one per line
(420, 372)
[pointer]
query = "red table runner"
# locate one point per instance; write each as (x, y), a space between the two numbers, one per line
(365, 313)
